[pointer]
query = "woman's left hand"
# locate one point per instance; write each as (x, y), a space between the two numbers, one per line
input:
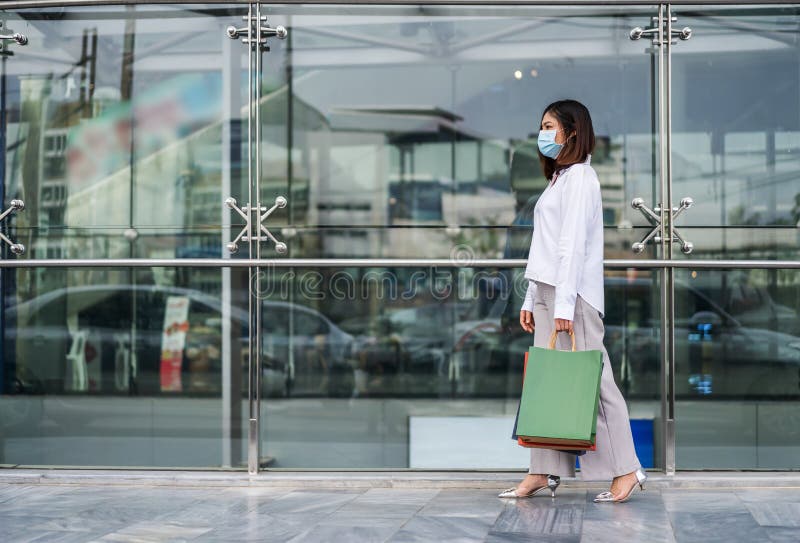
(563, 325)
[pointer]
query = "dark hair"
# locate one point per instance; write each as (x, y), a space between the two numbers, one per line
(573, 116)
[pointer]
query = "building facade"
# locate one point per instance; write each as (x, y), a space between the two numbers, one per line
(250, 236)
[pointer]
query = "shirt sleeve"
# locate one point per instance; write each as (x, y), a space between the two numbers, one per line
(576, 211)
(527, 305)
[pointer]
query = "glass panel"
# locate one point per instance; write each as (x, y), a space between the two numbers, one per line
(124, 130)
(381, 360)
(401, 134)
(405, 132)
(736, 121)
(124, 367)
(737, 346)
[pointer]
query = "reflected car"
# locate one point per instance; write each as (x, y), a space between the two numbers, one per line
(717, 355)
(84, 339)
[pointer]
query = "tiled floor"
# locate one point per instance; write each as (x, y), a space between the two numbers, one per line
(43, 512)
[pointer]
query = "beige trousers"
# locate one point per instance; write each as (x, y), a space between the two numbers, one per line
(615, 454)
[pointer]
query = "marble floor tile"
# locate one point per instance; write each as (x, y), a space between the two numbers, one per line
(308, 502)
(443, 530)
(514, 537)
(258, 527)
(773, 513)
(716, 527)
(459, 503)
(701, 501)
(540, 517)
(405, 496)
(155, 532)
(644, 517)
(597, 531)
(329, 533)
(32, 536)
(769, 495)
(782, 535)
(369, 510)
(17, 492)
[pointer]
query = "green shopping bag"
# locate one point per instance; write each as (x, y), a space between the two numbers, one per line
(560, 394)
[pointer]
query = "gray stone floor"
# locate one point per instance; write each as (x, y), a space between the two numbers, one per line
(44, 512)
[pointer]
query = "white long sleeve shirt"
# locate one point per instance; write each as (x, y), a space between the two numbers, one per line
(567, 244)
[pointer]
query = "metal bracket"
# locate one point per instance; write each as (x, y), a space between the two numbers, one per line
(654, 216)
(684, 34)
(20, 39)
(247, 213)
(16, 205)
(254, 28)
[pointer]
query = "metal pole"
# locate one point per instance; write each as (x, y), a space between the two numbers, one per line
(642, 264)
(252, 432)
(668, 284)
(254, 290)
(230, 70)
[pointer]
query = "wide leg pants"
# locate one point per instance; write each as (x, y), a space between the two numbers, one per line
(615, 454)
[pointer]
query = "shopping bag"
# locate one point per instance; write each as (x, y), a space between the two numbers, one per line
(558, 408)
(515, 437)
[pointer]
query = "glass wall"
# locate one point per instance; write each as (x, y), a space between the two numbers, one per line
(394, 131)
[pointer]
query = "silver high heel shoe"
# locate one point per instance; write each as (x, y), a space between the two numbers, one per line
(641, 477)
(552, 483)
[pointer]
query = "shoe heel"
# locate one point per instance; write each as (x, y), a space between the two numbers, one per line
(641, 477)
(552, 484)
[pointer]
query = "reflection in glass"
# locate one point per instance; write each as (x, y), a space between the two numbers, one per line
(735, 142)
(364, 349)
(737, 346)
(115, 131)
(124, 367)
(411, 136)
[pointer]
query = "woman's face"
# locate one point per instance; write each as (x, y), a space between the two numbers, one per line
(550, 122)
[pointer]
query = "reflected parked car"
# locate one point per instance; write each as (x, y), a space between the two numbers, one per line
(717, 355)
(109, 338)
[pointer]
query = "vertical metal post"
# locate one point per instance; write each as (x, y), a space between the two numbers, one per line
(254, 288)
(252, 434)
(230, 108)
(3, 273)
(668, 281)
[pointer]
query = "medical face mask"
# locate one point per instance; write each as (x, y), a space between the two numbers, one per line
(547, 143)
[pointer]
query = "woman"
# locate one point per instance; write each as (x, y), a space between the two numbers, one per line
(565, 292)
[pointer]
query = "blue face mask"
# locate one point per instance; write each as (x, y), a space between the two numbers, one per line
(547, 143)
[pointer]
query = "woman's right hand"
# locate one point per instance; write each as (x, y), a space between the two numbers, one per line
(526, 321)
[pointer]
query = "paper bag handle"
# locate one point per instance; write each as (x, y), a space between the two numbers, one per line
(552, 343)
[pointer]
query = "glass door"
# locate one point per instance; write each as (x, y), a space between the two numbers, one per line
(408, 132)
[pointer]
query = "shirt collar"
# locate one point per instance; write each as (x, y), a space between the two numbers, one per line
(587, 161)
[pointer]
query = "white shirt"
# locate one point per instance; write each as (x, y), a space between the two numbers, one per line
(567, 245)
